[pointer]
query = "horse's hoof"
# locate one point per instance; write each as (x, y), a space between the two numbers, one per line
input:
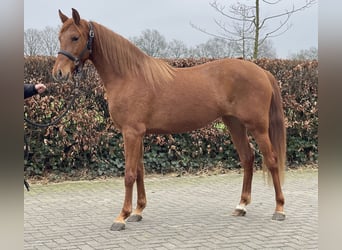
(239, 211)
(278, 216)
(134, 218)
(117, 226)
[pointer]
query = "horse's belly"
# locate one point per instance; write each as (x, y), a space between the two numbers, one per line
(181, 120)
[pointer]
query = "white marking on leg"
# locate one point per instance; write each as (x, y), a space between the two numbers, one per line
(241, 207)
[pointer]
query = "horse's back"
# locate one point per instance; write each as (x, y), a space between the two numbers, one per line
(201, 94)
(229, 83)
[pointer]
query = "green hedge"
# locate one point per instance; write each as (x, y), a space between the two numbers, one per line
(85, 143)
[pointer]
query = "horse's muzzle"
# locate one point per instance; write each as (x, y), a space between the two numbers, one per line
(59, 76)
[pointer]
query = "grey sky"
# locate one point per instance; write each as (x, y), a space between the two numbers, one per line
(170, 17)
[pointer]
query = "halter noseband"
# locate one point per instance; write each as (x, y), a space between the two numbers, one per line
(88, 47)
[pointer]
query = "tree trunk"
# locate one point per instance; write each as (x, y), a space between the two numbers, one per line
(256, 37)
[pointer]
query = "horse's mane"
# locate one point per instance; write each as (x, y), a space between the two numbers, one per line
(128, 60)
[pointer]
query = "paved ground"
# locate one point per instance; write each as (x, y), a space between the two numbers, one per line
(182, 213)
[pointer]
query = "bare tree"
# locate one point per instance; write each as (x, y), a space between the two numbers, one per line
(49, 39)
(32, 44)
(41, 42)
(247, 25)
(215, 48)
(151, 42)
(267, 50)
(306, 54)
(177, 49)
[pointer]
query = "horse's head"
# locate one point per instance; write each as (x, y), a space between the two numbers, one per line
(76, 38)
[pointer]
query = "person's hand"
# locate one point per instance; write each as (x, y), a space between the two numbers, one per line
(40, 88)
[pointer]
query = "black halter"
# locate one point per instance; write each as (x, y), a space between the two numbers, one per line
(88, 47)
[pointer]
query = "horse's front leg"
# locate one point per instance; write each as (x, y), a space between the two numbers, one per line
(133, 155)
(141, 201)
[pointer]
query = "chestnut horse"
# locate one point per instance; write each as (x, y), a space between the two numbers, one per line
(146, 95)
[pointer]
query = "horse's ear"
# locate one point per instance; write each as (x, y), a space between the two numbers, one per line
(62, 16)
(76, 16)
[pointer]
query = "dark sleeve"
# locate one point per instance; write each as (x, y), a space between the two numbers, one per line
(29, 90)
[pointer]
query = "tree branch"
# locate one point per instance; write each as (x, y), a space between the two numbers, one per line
(212, 34)
(245, 21)
(294, 10)
(236, 34)
(268, 2)
(269, 34)
(221, 11)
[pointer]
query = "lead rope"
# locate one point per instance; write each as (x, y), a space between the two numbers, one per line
(26, 184)
(77, 77)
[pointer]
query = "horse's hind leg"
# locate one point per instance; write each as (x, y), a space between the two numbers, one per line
(246, 154)
(141, 200)
(270, 160)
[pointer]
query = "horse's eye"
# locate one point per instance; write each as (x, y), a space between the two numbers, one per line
(74, 38)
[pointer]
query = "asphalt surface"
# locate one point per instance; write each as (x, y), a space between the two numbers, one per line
(189, 212)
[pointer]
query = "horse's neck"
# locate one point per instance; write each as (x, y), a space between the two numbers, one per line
(106, 70)
(117, 59)
(102, 68)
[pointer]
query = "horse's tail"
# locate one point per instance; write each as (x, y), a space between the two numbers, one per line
(277, 130)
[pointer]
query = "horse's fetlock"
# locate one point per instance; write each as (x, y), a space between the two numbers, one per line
(142, 203)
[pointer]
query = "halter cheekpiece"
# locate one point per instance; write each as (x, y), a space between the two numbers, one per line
(88, 47)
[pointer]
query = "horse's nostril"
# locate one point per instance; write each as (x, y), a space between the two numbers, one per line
(58, 75)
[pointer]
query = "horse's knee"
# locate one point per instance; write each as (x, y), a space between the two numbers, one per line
(130, 178)
(271, 163)
(140, 171)
(270, 160)
(247, 160)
